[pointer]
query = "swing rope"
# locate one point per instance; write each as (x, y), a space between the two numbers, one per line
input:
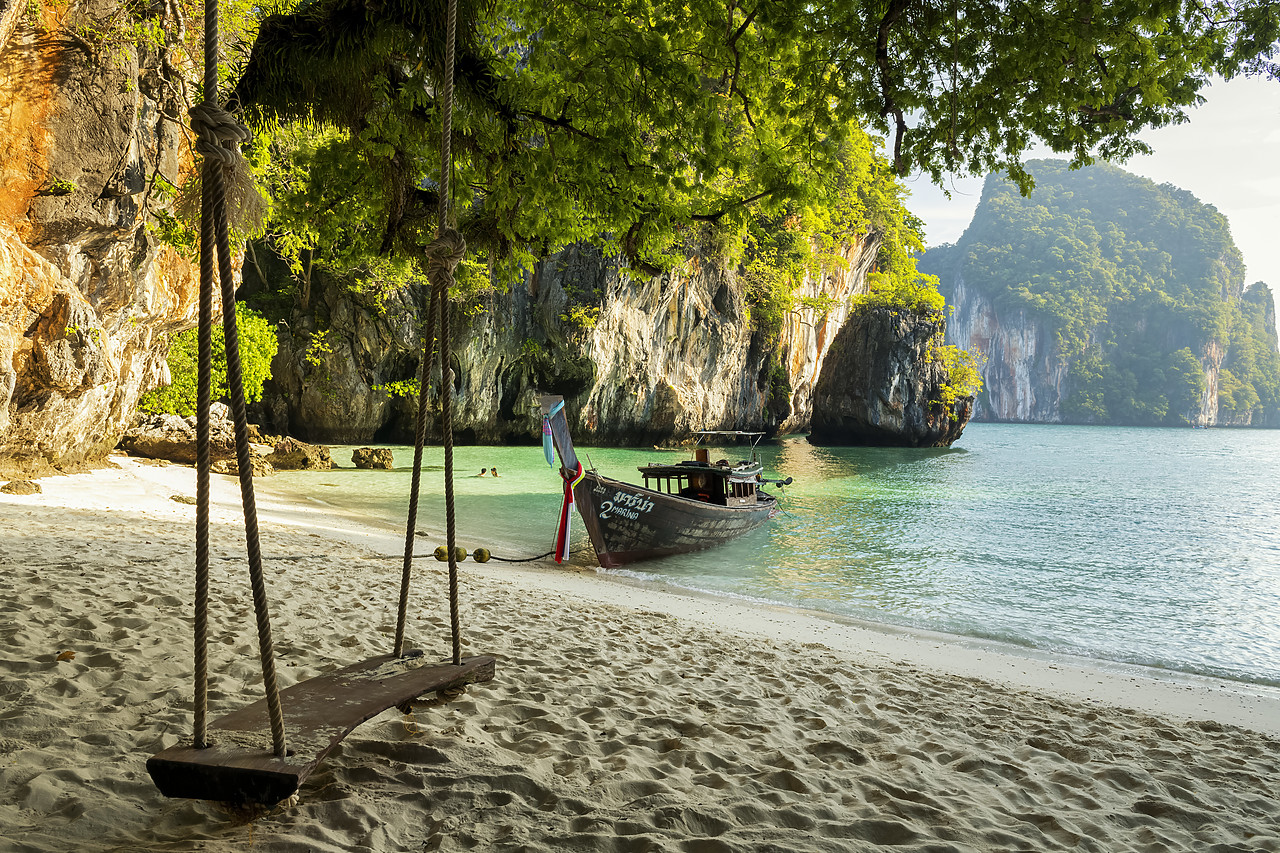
(219, 137)
(203, 379)
(420, 436)
(443, 256)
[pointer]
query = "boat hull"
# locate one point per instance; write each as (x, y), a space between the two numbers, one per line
(627, 522)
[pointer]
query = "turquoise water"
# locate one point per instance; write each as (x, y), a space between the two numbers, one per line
(1149, 546)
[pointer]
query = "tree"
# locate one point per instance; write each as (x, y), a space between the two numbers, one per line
(1185, 385)
(257, 349)
(970, 85)
(623, 122)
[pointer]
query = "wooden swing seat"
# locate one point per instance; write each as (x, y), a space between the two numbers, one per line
(239, 765)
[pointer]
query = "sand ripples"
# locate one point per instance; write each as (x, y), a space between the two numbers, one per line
(606, 729)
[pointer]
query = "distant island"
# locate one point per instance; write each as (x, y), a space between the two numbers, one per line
(1104, 298)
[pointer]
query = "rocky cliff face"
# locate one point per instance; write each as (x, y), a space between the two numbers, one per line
(658, 358)
(87, 296)
(879, 382)
(333, 359)
(1211, 360)
(1024, 376)
(681, 356)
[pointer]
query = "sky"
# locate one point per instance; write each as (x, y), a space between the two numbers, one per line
(1227, 155)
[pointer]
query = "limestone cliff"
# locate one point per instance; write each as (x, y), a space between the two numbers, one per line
(638, 361)
(87, 296)
(678, 354)
(881, 384)
(1103, 298)
(1024, 376)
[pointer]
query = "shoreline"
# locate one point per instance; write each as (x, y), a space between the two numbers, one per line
(622, 717)
(1174, 693)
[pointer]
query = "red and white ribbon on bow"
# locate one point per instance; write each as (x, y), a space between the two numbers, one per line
(566, 512)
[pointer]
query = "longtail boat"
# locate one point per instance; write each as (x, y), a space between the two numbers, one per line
(682, 507)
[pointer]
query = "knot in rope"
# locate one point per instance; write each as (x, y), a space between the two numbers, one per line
(444, 253)
(219, 133)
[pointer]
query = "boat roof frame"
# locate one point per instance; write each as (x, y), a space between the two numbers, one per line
(703, 433)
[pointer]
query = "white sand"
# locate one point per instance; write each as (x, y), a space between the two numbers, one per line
(622, 717)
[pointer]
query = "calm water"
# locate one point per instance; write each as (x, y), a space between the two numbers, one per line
(1149, 546)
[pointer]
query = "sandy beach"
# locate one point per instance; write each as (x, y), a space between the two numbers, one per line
(622, 717)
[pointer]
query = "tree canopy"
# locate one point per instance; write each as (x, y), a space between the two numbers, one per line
(257, 347)
(623, 122)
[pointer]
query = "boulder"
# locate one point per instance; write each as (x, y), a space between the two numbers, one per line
(373, 457)
(173, 437)
(880, 384)
(293, 455)
(21, 487)
(259, 464)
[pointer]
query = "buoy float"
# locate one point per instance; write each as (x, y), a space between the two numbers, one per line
(480, 555)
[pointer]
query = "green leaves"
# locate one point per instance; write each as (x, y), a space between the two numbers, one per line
(963, 377)
(623, 123)
(257, 349)
(979, 82)
(1139, 284)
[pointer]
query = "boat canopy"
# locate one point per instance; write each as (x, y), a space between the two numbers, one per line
(719, 484)
(741, 472)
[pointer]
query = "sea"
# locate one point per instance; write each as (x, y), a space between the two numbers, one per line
(1155, 547)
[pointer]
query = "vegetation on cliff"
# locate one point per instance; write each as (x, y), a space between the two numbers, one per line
(628, 123)
(1139, 284)
(257, 348)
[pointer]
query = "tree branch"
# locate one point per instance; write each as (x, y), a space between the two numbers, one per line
(732, 44)
(629, 249)
(733, 39)
(718, 215)
(1118, 108)
(566, 125)
(890, 107)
